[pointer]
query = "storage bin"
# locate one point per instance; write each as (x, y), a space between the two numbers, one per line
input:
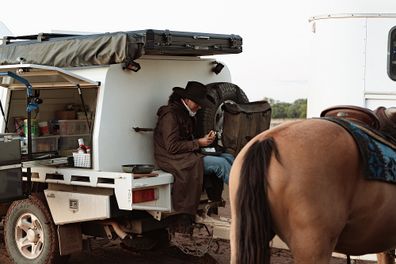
(82, 160)
(45, 144)
(73, 127)
(65, 115)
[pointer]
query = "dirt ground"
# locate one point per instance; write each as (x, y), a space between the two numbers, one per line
(103, 252)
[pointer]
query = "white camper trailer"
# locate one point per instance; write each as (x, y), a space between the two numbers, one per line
(353, 61)
(103, 89)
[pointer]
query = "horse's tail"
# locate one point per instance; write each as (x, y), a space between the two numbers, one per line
(253, 217)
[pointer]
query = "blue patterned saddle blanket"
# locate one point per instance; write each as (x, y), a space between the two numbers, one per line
(377, 152)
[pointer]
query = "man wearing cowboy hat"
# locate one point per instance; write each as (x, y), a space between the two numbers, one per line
(178, 152)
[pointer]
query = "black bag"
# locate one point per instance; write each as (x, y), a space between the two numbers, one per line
(242, 122)
(165, 42)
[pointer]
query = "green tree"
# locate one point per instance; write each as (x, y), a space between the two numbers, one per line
(297, 109)
(280, 110)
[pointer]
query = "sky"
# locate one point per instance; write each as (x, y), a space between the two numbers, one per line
(276, 33)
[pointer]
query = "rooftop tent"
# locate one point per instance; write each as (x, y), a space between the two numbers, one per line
(71, 51)
(61, 50)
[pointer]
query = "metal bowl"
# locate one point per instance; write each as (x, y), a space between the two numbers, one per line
(138, 168)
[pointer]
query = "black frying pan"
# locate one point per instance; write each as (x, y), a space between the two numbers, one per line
(138, 168)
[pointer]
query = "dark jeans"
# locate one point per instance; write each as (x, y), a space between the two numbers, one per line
(218, 165)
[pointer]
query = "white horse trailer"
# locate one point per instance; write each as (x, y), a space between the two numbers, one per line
(353, 61)
(104, 89)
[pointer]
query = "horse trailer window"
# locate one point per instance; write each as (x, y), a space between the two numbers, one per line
(392, 54)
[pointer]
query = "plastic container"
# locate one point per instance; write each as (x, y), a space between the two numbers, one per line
(45, 144)
(73, 127)
(82, 116)
(65, 115)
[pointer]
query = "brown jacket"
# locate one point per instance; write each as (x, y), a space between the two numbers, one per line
(176, 151)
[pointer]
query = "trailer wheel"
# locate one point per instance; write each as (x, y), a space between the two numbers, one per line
(29, 233)
(211, 118)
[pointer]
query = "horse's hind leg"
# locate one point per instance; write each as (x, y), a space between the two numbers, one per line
(311, 246)
(311, 253)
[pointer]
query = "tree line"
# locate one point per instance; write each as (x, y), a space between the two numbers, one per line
(297, 109)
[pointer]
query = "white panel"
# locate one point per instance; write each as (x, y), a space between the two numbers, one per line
(375, 103)
(377, 79)
(68, 207)
(131, 99)
(337, 66)
(375, 100)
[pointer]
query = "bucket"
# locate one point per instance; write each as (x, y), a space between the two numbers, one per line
(34, 128)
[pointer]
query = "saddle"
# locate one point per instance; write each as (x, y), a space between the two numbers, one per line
(374, 133)
(380, 120)
(353, 113)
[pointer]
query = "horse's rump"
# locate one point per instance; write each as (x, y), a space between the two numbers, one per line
(319, 200)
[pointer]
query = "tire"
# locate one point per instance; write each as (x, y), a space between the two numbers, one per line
(29, 233)
(211, 118)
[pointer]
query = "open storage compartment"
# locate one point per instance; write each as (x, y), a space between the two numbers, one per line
(56, 138)
(65, 112)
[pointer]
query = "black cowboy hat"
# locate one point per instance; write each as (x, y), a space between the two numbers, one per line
(196, 92)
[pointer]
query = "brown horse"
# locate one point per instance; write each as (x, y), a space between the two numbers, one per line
(303, 181)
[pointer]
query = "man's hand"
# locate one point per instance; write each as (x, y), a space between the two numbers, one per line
(207, 139)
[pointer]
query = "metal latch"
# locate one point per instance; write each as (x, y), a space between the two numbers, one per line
(233, 41)
(167, 37)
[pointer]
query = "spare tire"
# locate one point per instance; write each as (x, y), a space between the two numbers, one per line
(211, 118)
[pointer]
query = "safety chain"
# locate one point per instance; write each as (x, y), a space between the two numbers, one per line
(192, 245)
